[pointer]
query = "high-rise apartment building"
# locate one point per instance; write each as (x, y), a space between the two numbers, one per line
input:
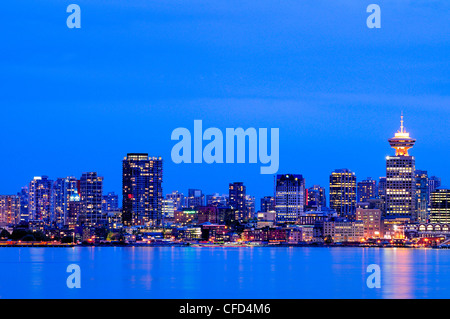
(343, 193)
(237, 200)
(91, 191)
(142, 178)
(39, 199)
(62, 188)
(24, 211)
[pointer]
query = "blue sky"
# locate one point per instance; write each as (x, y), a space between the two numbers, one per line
(76, 100)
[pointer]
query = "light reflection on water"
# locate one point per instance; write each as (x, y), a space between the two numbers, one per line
(180, 272)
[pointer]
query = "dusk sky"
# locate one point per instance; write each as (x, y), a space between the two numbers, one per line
(78, 100)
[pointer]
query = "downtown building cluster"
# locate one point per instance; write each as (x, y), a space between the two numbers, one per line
(404, 204)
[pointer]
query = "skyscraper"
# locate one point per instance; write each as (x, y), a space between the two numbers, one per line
(62, 188)
(24, 210)
(91, 191)
(250, 203)
(237, 200)
(142, 190)
(422, 195)
(74, 211)
(400, 177)
(367, 189)
(289, 197)
(440, 206)
(382, 194)
(343, 193)
(39, 199)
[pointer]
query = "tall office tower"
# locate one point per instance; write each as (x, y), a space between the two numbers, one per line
(422, 195)
(110, 202)
(178, 199)
(440, 206)
(267, 204)
(9, 210)
(39, 199)
(24, 211)
(316, 197)
(237, 200)
(91, 191)
(217, 200)
(142, 178)
(289, 197)
(195, 199)
(250, 203)
(433, 183)
(74, 210)
(367, 189)
(400, 178)
(343, 193)
(62, 188)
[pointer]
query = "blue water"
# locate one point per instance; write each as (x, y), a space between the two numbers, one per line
(180, 272)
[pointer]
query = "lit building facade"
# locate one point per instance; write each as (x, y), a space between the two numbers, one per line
(371, 219)
(344, 230)
(343, 193)
(440, 206)
(9, 210)
(142, 178)
(289, 198)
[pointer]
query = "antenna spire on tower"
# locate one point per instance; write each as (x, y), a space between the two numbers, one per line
(402, 128)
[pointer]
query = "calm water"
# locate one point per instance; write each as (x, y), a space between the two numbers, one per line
(177, 272)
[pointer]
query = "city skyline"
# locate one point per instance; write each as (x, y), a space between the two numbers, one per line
(334, 87)
(358, 179)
